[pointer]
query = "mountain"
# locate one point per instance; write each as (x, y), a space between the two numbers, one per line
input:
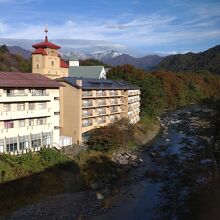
(13, 62)
(115, 58)
(208, 60)
(109, 54)
(20, 51)
(147, 62)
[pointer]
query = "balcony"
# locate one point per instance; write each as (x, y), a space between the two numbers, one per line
(113, 93)
(113, 110)
(87, 114)
(101, 112)
(101, 93)
(101, 121)
(13, 94)
(114, 102)
(87, 104)
(87, 124)
(86, 94)
(101, 103)
(11, 115)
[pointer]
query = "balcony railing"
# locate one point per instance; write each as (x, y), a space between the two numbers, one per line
(101, 112)
(101, 121)
(101, 103)
(12, 94)
(113, 93)
(88, 104)
(103, 93)
(86, 114)
(86, 94)
(86, 124)
(114, 110)
(114, 102)
(39, 93)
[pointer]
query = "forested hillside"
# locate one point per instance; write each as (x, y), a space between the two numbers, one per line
(13, 62)
(92, 62)
(207, 61)
(162, 90)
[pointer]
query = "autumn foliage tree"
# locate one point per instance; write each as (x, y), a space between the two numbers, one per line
(167, 90)
(111, 137)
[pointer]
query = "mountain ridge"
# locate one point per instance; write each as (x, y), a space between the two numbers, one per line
(208, 60)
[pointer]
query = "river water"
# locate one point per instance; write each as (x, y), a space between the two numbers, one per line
(148, 197)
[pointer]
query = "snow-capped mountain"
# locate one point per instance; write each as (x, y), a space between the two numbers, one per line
(105, 55)
(67, 53)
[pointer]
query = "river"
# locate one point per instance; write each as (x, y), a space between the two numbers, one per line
(159, 195)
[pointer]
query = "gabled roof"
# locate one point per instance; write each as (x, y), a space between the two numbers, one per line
(63, 63)
(26, 80)
(39, 51)
(46, 44)
(85, 71)
(97, 84)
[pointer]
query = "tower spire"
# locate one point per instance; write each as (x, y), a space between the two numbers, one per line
(46, 31)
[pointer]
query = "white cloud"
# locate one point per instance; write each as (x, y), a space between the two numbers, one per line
(199, 23)
(3, 27)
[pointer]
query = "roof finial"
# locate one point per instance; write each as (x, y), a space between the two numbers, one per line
(46, 31)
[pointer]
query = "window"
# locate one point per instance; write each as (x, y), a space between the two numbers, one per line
(31, 106)
(23, 142)
(1, 145)
(41, 121)
(52, 63)
(11, 144)
(7, 107)
(37, 66)
(8, 124)
(36, 140)
(21, 123)
(42, 105)
(20, 106)
(9, 92)
(46, 139)
(31, 122)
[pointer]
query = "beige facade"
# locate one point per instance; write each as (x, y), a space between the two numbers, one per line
(82, 110)
(29, 119)
(47, 61)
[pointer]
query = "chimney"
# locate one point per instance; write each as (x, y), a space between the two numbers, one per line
(79, 82)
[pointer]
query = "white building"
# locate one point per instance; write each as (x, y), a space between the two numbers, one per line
(29, 112)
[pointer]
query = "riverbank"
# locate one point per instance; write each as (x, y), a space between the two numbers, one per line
(40, 189)
(175, 181)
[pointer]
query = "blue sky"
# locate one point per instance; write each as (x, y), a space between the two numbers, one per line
(135, 26)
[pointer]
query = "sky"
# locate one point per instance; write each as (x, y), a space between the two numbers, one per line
(137, 27)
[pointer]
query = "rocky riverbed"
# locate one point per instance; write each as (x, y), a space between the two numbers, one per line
(137, 194)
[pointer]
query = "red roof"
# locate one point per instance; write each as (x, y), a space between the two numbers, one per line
(46, 44)
(26, 80)
(39, 51)
(63, 63)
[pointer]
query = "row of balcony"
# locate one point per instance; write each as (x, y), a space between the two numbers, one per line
(134, 99)
(103, 111)
(17, 93)
(97, 103)
(100, 93)
(134, 92)
(99, 120)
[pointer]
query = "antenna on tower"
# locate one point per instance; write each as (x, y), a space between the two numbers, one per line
(46, 31)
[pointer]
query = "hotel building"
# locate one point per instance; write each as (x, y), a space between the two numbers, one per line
(86, 104)
(29, 112)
